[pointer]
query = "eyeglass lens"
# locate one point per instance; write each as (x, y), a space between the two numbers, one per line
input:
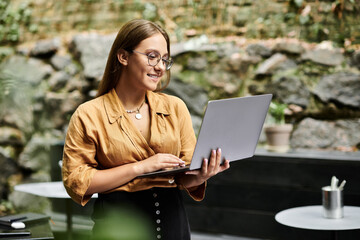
(154, 58)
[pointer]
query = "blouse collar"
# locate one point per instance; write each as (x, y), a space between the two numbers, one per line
(115, 110)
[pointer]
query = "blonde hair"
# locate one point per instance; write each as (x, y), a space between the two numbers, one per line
(129, 36)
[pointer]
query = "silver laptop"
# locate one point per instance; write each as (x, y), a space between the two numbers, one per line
(234, 125)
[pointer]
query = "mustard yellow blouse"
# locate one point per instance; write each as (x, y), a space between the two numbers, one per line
(101, 135)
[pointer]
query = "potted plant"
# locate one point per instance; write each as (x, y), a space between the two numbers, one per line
(276, 130)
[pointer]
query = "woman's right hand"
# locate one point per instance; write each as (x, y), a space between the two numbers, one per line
(159, 161)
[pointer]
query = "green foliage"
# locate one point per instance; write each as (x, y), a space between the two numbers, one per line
(12, 21)
(298, 3)
(6, 208)
(277, 112)
(150, 12)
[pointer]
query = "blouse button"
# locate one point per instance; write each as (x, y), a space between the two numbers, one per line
(158, 236)
(158, 221)
(157, 204)
(157, 212)
(158, 229)
(154, 195)
(171, 181)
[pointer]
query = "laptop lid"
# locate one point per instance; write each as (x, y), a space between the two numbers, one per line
(233, 124)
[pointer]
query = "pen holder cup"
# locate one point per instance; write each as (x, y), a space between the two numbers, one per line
(333, 202)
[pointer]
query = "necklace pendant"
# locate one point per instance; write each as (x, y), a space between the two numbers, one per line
(138, 116)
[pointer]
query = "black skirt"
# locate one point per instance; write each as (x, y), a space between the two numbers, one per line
(157, 213)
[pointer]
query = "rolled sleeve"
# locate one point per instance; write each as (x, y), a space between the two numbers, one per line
(79, 164)
(197, 193)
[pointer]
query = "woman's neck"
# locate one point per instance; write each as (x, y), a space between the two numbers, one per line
(130, 99)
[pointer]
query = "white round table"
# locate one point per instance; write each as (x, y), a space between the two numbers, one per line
(310, 217)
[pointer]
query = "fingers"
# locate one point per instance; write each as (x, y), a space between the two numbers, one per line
(169, 159)
(161, 161)
(225, 166)
(212, 167)
(212, 163)
(215, 161)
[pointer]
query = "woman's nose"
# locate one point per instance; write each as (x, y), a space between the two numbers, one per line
(161, 65)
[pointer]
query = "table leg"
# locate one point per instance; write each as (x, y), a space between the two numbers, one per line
(69, 218)
(335, 235)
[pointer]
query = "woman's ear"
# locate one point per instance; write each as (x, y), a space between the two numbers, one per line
(123, 56)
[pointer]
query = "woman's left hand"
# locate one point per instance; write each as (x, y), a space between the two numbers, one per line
(210, 168)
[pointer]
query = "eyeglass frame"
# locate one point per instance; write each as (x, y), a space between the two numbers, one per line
(168, 62)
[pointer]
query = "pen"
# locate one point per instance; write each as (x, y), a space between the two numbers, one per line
(342, 184)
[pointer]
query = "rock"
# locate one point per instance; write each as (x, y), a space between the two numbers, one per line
(226, 49)
(343, 88)
(21, 118)
(270, 64)
(26, 70)
(241, 62)
(223, 79)
(199, 44)
(54, 100)
(312, 133)
(197, 64)
(257, 49)
(25, 202)
(11, 136)
(58, 80)
(72, 101)
(45, 48)
(92, 51)
(289, 47)
(8, 168)
(355, 59)
(59, 105)
(291, 90)
(64, 63)
(24, 78)
(35, 156)
(326, 57)
(79, 84)
(285, 65)
(194, 97)
(59, 62)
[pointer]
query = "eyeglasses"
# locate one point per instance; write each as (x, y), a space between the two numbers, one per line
(155, 57)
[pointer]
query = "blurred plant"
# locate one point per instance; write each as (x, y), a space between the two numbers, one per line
(12, 21)
(339, 7)
(277, 112)
(6, 208)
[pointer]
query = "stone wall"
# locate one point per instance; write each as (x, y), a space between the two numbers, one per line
(43, 83)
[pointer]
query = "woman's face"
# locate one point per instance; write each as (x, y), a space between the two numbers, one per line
(142, 75)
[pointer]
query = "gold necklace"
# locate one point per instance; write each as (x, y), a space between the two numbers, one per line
(138, 115)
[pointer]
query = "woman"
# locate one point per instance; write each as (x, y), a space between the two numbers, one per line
(131, 129)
